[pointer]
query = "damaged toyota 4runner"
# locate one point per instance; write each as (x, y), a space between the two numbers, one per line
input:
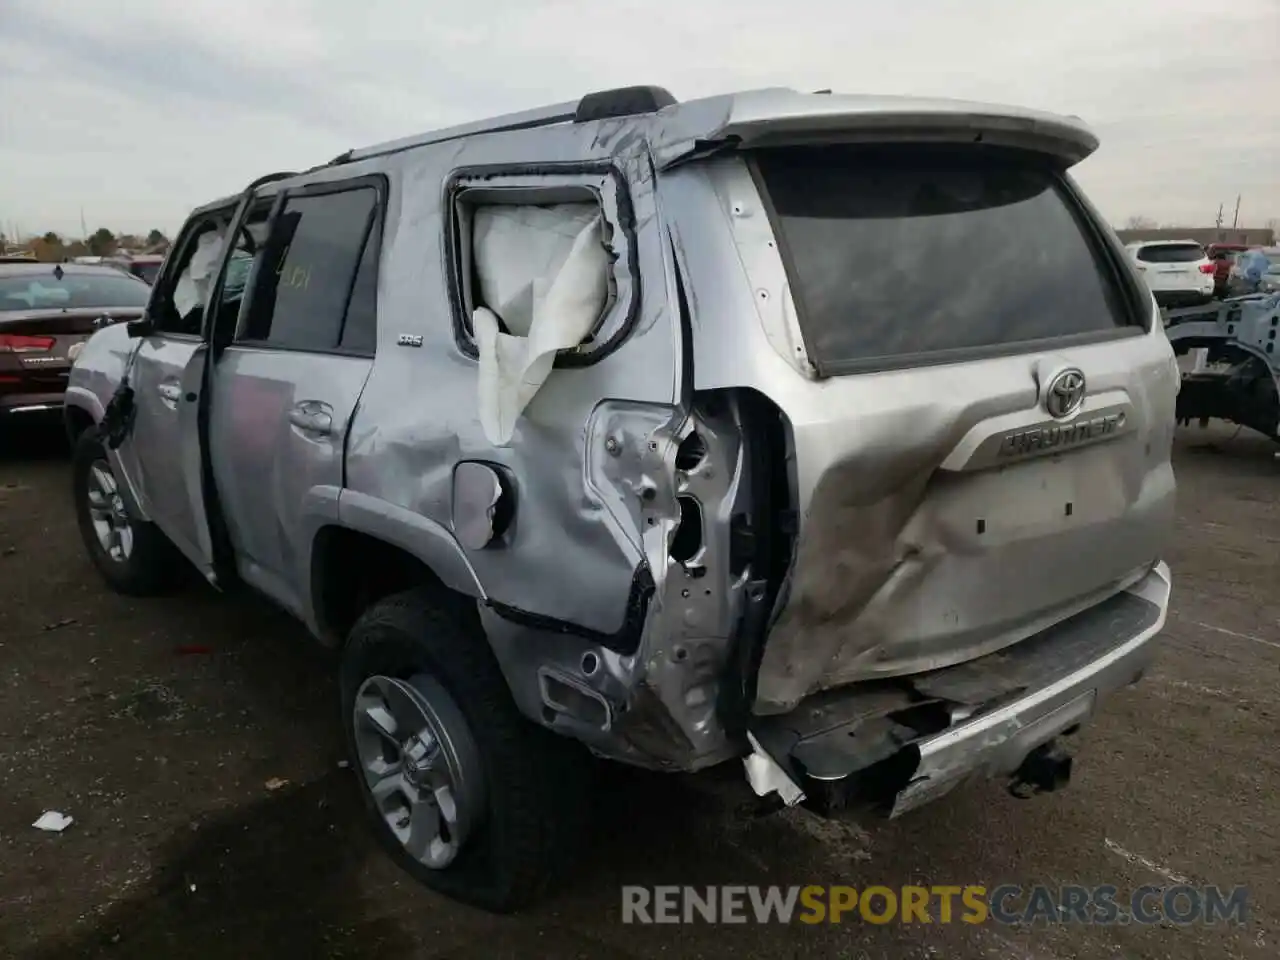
(825, 435)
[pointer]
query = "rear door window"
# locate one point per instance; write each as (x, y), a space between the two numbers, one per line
(313, 262)
(1171, 253)
(898, 253)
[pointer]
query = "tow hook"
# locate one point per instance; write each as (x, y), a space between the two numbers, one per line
(1045, 769)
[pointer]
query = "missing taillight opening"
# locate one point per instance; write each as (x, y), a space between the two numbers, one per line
(691, 452)
(23, 343)
(688, 536)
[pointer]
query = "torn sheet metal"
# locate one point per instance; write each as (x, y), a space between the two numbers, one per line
(544, 274)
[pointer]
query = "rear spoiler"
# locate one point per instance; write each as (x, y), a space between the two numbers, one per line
(777, 117)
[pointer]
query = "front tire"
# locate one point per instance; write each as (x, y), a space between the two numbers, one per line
(133, 556)
(465, 794)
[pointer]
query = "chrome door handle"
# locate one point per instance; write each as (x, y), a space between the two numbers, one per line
(311, 420)
(169, 391)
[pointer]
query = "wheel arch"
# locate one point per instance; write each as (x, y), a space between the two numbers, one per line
(361, 548)
(81, 410)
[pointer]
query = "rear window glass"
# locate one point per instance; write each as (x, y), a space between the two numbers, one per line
(1171, 253)
(897, 252)
(45, 291)
(147, 272)
(321, 242)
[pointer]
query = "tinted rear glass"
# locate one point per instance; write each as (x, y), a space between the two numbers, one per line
(322, 241)
(897, 252)
(1171, 253)
(45, 291)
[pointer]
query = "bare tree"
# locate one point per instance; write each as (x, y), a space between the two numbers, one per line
(1139, 222)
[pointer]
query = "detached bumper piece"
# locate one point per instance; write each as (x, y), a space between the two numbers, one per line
(894, 745)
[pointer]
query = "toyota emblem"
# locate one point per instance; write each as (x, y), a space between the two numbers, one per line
(1065, 393)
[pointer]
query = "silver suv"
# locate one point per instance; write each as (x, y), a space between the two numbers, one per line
(827, 434)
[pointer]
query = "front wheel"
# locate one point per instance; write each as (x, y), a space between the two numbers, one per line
(466, 795)
(134, 557)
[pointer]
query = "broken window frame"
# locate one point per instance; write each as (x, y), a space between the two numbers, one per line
(526, 185)
(162, 292)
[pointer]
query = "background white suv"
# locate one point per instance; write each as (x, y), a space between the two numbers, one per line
(1179, 272)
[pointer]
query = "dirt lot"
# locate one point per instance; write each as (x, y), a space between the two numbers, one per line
(159, 724)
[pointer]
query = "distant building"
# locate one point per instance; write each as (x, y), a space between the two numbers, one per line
(1251, 236)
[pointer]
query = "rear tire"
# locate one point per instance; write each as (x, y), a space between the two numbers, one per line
(528, 786)
(133, 556)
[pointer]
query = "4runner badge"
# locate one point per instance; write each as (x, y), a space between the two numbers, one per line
(1065, 393)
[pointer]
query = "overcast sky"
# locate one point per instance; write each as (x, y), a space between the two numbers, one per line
(138, 110)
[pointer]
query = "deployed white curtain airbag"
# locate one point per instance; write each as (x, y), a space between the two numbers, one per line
(192, 288)
(545, 272)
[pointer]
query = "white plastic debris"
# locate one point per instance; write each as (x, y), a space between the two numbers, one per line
(766, 776)
(545, 272)
(52, 821)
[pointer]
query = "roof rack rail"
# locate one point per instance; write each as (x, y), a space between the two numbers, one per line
(525, 119)
(269, 178)
(605, 104)
(622, 102)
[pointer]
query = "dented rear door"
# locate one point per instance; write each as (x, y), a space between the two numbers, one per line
(980, 407)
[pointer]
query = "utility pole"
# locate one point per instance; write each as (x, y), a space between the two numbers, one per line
(1235, 220)
(84, 231)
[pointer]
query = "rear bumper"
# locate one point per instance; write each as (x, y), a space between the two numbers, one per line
(21, 404)
(900, 748)
(996, 743)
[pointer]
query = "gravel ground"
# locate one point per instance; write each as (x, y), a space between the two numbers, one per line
(195, 742)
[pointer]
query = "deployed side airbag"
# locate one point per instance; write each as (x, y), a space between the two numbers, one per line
(192, 288)
(543, 274)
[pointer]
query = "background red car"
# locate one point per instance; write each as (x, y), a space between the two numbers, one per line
(1223, 255)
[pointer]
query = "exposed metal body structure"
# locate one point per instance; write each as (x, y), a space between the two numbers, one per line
(704, 532)
(1239, 379)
